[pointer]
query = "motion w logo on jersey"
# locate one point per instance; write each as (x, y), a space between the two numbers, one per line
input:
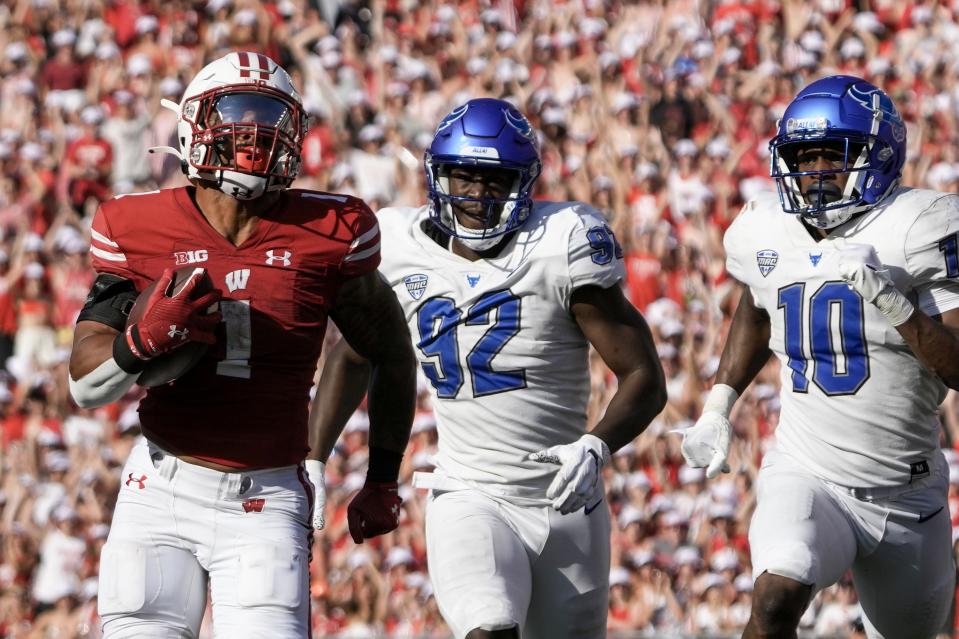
(236, 280)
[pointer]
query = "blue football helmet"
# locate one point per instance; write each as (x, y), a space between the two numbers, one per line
(486, 133)
(860, 122)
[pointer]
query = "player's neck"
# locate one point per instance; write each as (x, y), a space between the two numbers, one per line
(458, 248)
(232, 218)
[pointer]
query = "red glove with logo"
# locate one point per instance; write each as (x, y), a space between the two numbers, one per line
(374, 511)
(169, 322)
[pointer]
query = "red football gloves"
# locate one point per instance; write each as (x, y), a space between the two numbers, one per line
(374, 511)
(170, 322)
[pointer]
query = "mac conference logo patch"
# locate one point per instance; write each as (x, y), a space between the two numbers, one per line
(416, 285)
(767, 260)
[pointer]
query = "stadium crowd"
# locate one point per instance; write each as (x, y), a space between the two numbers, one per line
(657, 112)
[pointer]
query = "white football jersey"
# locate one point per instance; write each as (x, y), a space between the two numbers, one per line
(495, 337)
(858, 408)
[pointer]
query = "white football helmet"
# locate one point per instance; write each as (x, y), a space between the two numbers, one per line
(241, 126)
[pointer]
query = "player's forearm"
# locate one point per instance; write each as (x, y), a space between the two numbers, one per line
(639, 398)
(343, 384)
(392, 397)
(935, 344)
(747, 346)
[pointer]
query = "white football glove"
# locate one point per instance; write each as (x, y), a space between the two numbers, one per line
(706, 443)
(578, 476)
(861, 269)
(316, 469)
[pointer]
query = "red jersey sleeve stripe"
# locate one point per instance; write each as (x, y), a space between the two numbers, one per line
(362, 255)
(108, 255)
(102, 239)
(366, 237)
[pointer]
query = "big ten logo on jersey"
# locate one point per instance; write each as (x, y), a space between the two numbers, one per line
(191, 257)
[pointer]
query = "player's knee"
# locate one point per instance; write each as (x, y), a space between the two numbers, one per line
(511, 632)
(778, 603)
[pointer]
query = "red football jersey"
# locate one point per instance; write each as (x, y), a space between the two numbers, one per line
(246, 403)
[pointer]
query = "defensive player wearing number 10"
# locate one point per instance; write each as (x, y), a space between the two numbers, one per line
(857, 294)
(503, 297)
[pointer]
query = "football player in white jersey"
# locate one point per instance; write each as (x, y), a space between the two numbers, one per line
(504, 296)
(853, 283)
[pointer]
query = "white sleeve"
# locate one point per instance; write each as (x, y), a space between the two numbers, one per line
(733, 243)
(105, 384)
(594, 255)
(932, 256)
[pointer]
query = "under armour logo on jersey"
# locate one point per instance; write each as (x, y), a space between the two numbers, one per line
(140, 482)
(472, 279)
(767, 260)
(235, 280)
(416, 285)
(815, 257)
(177, 333)
(275, 255)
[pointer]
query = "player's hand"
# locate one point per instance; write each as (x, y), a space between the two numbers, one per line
(315, 470)
(860, 268)
(170, 322)
(374, 511)
(580, 464)
(706, 443)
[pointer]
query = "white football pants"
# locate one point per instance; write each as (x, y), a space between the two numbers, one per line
(494, 565)
(178, 524)
(897, 541)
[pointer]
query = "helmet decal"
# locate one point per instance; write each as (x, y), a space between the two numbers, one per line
(519, 123)
(452, 117)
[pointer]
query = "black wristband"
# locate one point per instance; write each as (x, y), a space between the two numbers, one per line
(124, 357)
(384, 465)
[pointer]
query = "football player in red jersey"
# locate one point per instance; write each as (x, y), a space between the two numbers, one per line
(219, 494)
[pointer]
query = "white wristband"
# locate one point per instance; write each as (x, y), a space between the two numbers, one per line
(721, 399)
(315, 469)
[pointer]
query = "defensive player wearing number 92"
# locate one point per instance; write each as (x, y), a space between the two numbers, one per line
(857, 293)
(218, 494)
(503, 297)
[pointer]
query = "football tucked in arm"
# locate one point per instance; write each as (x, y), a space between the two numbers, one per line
(167, 367)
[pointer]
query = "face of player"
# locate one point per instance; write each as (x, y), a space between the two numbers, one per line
(252, 152)
(478, 183)
(825, 156)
